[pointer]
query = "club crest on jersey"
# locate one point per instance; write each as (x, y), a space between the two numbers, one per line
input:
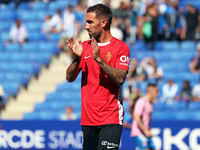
(108, 56)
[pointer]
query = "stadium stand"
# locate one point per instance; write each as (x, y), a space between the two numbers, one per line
(49, 94)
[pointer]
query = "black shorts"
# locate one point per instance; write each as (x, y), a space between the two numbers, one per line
(104, 137)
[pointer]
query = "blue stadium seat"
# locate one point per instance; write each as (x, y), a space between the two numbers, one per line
(29, 46)
(39, 6)
(18, 77)
(189, 76)
(169, 75)
(143, 86)
(43, 58)
(196, 115)
(11, 87)
(170, 46)
(54, 37)
(138, 55)
(175, 65)
(178, 106)
(158, 46)
(8, 15)
(166, 67)
(34, 26)
(180, 115)
(161, 57)
(41, 15)
(43, 47)
(2, 77)
(161, 106)
(12, 47)
(18, 57)
(5, 26)
(4, 67)
(160, 115)
(186, 56)
(28, 68)
(138, 46)
(64, 97)
(194, 106)
(53, 5)
(48, 115)
(26, 15)
(1, 45)
(36, 36)
(188, 46)
(31, 116)
(24, 6)
(68, 86)
(39, 107)
(4, 57)
(78, 113)
(4, 36)
(7, 7)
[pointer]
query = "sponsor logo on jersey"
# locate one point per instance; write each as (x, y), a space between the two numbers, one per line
(108, 56)
(125, 59)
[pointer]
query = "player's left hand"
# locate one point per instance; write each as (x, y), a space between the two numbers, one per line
(96, 51)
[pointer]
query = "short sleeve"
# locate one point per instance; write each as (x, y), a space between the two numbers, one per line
(81, 64)
(139, 106)
(123, 58)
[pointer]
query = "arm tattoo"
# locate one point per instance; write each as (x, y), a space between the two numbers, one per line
(117, 75)
(73, 70)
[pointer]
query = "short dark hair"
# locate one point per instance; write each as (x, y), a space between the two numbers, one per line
(151, 85)
(102, 10)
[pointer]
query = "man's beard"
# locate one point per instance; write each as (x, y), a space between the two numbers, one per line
(95, 35)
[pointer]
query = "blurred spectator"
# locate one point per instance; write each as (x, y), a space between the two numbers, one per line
(136, 73)
(131, 95)
(1, 98)
(127, 92)
(141, 10)
(134, 97)
(107, 3)
(186, 92)
(18, 33)
(69, 29)
(46, 26)
(69, 114)
(183, 23)
(116, 32)
(80, 16)
(151, 25)
(169, 91)
(196, 92)
(121, 19)
(93, 2)
(56, 22)
(154, 72)
(173, 22)
(133, 21)
(193, 20)
(195, 62)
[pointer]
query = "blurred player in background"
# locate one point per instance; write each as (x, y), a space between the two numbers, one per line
(142, 115)
(104, 61)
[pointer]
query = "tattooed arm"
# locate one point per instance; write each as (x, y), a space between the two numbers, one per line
(117, 75)
(73, 70)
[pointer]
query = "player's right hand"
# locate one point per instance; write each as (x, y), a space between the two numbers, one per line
(77, 49)
(147, 133)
